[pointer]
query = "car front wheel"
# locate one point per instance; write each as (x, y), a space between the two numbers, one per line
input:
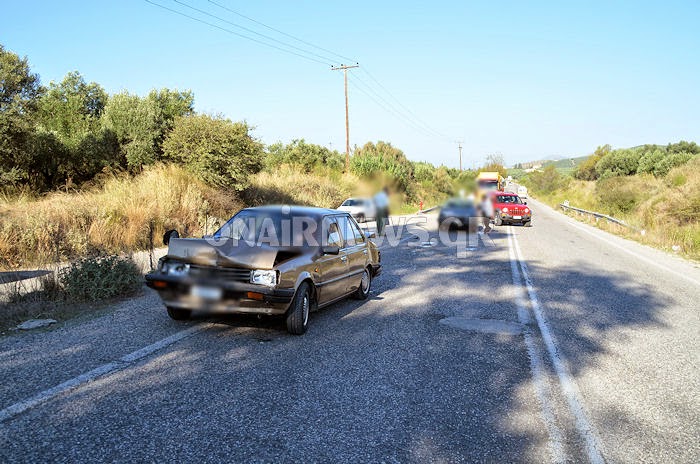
(498, 220)
(362, 291)
(298, 314)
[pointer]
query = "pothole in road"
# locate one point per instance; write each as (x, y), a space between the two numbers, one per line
(494, 326)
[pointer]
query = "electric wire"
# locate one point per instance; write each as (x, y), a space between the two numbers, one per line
(408, 110)
(235, 33)
(282, 32)
(186, 5)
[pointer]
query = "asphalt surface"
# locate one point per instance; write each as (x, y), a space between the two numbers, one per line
(446, 362)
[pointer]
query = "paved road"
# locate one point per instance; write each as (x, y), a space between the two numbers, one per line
(551, 343)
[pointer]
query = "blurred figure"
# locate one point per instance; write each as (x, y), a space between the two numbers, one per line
(487, 212)
(381, 202)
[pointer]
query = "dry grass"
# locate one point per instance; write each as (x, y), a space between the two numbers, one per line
(667, 209)
(120, 215)
(290, 186)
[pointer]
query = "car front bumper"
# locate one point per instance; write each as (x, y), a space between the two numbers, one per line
(235, 297)
(523, 218)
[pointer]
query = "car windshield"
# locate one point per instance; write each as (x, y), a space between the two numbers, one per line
(509, 199)
(353, 202)
(271, 227)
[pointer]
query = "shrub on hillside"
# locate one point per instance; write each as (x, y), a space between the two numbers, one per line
(622, 162)
(619, 194)
(671, 161)
(306, 156)
(220, 152)
(546, 181)
(586, 170)
(383, 160)
(95, 279)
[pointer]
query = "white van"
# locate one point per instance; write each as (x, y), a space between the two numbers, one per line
(522, 192)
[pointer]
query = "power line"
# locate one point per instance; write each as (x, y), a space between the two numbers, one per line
(401, 114)
(236, 33)
(388, 108)
(282, 32)
(252, 31)
(427, 126)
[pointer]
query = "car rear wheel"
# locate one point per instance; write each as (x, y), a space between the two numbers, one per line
(362, 291)
(179, 314)
(297, 318)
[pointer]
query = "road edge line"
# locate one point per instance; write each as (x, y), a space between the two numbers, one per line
(541, 386)
(71, 384)
(566, 382)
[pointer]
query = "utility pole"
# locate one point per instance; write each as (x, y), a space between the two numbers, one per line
(459, 145)
(347, 116)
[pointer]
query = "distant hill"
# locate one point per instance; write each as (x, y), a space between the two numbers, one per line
(563, 164)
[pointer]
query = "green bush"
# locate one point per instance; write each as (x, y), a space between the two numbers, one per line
(94, 279)
(671, 161)
(618, 163)
(617, 195)
(220, 152)
(546, 181)
(382, 159)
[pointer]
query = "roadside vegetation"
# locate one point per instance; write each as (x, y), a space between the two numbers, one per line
(84, 173)
(653, 188)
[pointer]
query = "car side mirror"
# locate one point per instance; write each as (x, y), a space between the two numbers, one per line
(370, 235)
(170, 234)
(330, 250)
(525, 202)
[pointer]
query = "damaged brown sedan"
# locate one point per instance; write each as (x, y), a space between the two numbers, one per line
(272, 260)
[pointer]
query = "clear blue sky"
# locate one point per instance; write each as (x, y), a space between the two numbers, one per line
(528, 80)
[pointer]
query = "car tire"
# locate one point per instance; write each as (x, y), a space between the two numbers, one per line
(527, 224)
(362, 291)
(179, 314)
(498, 220)
(297, 318)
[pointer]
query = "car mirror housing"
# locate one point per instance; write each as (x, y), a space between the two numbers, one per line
(370, 235)
(330, 250)
(170, 234)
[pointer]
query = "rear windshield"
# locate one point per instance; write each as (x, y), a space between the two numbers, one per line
(353, 202)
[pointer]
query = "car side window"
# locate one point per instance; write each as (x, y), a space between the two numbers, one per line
(351, 232)
(355, 230)
(332, 233)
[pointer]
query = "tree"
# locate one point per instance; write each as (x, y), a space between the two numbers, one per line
(305, 155)
(20, 90)
(72, 110)
(219, 151)
(141, 124)
(546, 181)
(587, 169)
(384, 160)
(495, 163)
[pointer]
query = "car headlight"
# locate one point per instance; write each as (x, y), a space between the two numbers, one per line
(505, 210)
(527, 210)
(176, 269)
(263, 277)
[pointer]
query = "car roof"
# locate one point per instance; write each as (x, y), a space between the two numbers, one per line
(296, 210)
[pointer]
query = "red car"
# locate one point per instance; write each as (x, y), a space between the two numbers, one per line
(508, 208)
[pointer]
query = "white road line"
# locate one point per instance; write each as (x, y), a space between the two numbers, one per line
(541, 387)
(123, 362)
(583, 228)
(568, 385)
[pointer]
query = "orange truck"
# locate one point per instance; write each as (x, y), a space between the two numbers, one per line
(489, 181)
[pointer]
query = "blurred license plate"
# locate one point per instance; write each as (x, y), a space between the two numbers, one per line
(517, 217)
(206, 293)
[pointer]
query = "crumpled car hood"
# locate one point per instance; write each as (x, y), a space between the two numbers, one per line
(225, 253)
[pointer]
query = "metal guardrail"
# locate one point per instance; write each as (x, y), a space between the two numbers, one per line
(565, 206)
(423, 211)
